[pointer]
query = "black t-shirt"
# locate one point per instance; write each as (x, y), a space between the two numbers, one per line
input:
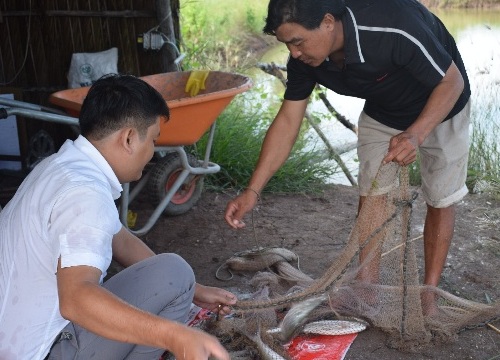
(396, 52)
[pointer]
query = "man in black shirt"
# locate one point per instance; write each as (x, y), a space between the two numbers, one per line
(400, 58)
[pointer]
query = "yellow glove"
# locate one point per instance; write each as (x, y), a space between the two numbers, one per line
(131, 218)
(196, 81)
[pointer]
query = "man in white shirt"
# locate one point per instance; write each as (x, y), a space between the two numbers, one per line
(60, 231)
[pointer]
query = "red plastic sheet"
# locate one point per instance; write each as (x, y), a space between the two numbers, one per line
(320, 347)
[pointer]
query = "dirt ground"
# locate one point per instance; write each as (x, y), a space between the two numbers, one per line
(315, 227)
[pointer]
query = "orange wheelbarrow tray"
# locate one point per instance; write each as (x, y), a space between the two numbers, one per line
(175, 181)
(190, 116)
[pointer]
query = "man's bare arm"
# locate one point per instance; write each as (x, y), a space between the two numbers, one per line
(83, 301)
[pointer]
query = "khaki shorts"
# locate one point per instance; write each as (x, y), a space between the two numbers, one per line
(443, 157)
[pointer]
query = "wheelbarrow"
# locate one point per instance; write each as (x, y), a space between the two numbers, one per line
(175, 181)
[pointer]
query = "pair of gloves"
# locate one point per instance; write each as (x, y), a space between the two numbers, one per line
(196, 82)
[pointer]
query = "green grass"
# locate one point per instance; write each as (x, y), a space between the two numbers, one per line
(226, 17)
(484, 157)
(215, 32)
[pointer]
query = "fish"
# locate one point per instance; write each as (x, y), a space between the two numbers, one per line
(296, 317)
(335, 327)
(258, 259)
(265, 351)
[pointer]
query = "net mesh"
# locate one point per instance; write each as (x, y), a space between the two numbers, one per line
(374, 280)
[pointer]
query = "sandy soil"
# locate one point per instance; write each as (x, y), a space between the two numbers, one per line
(315, 227)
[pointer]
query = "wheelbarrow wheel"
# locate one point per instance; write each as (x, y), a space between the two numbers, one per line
(163, 176)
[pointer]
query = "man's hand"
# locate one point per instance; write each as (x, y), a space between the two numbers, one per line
(193, 344)
(238, 207)
(402, 149)
(214, 299)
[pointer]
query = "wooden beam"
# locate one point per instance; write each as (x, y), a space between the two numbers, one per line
(83, 13)
(120, 14)
(169, 52)
(18, 13)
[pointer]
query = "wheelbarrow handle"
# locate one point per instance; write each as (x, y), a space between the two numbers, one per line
(62, 119)
(24, 105)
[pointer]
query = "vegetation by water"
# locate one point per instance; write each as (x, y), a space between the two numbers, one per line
(216, 34)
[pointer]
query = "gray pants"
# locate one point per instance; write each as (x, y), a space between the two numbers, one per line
(162, 285)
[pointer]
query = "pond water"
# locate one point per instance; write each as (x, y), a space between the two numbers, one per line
(477, 33)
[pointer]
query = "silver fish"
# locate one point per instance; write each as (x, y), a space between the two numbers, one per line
(265, 351)
(296, 317)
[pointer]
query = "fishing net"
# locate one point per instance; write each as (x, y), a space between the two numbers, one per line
(373, 281)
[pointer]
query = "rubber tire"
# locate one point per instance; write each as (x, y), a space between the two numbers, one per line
(163, 175)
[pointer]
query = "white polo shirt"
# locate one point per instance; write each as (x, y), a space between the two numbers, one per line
(64, 208)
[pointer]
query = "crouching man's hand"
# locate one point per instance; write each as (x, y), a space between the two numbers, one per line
(214, 299)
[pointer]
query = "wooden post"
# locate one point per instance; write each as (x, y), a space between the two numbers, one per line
(169, 52)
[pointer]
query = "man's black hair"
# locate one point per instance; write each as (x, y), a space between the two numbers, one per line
(307, 13)
(116, 101)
